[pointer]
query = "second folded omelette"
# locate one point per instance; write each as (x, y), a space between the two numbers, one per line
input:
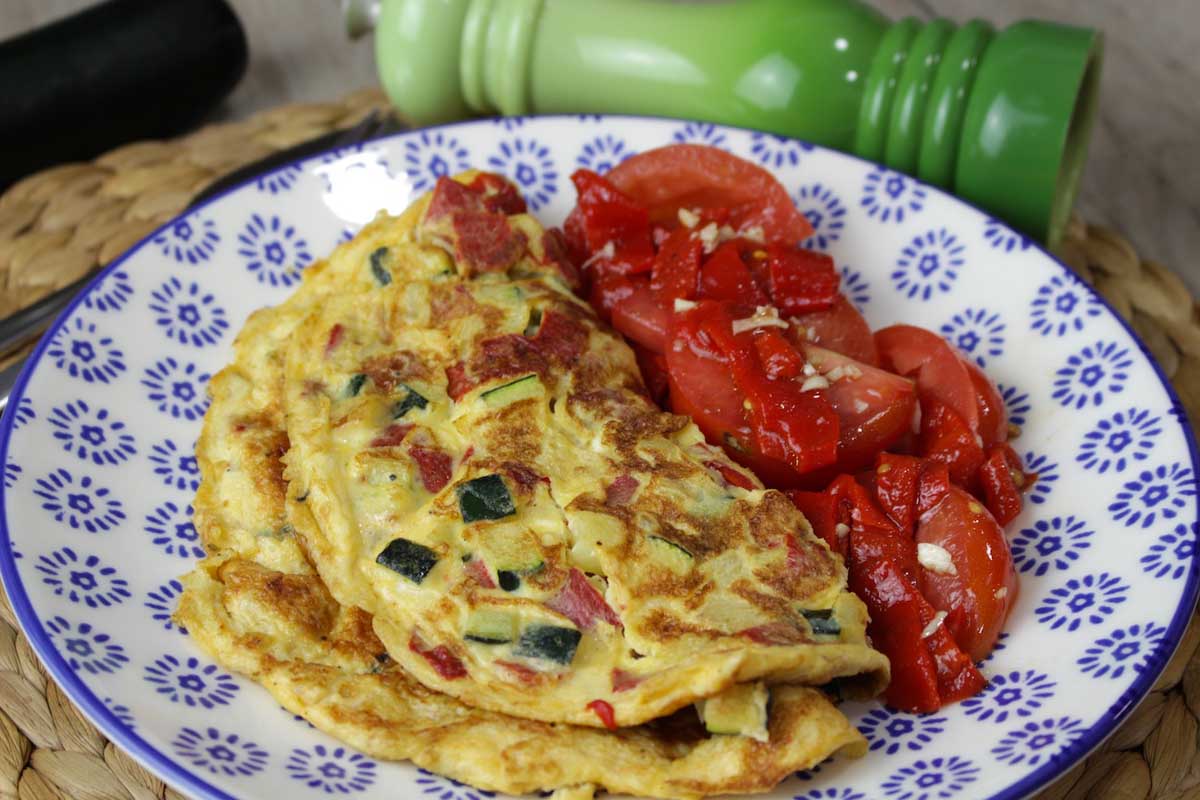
(531, 533)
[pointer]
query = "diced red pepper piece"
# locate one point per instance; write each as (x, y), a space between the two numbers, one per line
(774, 633)
(1000, 491)
(605, 712)
(779, 359)
(335, 338)
(623, 681)
(821, 511)
(441, 658)
(560, 338)
(457, 382)
(894, 604)
(733, 477)
(579, 602)
(620, 491)
(556, 252)
(677, 267)
(946, 437)
(896, 480)
(524, 674)
(433, 465)
(725, 276)
(857, 508)
(450, 197)
(932, 486)
(957, 676)
(392, 435)
(485, 241)
(498, 194)
(801, 280)
(478, 571)
(609, 215)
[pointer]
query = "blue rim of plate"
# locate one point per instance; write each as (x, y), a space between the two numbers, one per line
(169, 770)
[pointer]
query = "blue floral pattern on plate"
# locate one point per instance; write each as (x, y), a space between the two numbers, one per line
(1128, 648)
(776, 152)
(1055, 543)
(1173, 554)
(825, 212)
(1084, 399)
(1158, 493)
(333, 770)
(977, 332)
(188, 314)
(1118, 441)
(1010, 694)
(891, 196)
(82, 579)
(190, 681)
(929, 264)
(91, 435)
(81, 351)
(1088, 599)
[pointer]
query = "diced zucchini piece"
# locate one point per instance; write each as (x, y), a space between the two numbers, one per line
(520, 389)
(484, 498)
(822, 621)
(535, 322)
(740, 710)
(549, 643)
(491, 626)
(671, 555)
(379, 259)
(355, 385)
(412, 399)
(509, 581)
(412, 560)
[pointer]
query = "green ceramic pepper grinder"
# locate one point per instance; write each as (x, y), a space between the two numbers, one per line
(1000, 118)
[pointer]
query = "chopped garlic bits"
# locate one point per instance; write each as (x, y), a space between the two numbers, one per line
(688, 218)
(683, 305)
(933, 625)
(764, 317)
(935, 558)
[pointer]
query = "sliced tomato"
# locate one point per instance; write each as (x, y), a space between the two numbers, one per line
(927, 358)
(607, 292)
(839, 328)
(993, 417)
(640, 316)
(653, 367)
(979, 594)
(694, 176)
(875, 408)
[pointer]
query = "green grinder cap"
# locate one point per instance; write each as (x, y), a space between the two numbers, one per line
(1027, 123)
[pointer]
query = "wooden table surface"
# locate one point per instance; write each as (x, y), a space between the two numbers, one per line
(1143, 172)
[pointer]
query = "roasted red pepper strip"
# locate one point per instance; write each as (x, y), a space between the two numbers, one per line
(579, 602)
(801, 280)
(725, 276)
(894, 604)
(820, 509)
(608, 215)
(605, 712)
(932, 486)
(731, 476)
(443, 661)
(677, 267)
(896, 481)
(957, 676)
(857, 508)
(779, 359)
(946, 437)
(1000, 490)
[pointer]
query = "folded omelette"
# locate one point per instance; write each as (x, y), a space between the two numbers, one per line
(483, 514)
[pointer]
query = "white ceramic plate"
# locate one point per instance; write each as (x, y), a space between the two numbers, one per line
(98, 472)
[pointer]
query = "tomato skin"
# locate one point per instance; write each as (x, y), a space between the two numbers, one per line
(939, 372)
(641, 317)
(653, 367)
(839, 328)
(875, 409)
(609, 291)
(983, 562)
(696, 176)
(993, 417)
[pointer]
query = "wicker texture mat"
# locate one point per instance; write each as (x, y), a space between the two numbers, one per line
(60, 224)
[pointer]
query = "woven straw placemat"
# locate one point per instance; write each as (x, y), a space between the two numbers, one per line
(60, 224)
